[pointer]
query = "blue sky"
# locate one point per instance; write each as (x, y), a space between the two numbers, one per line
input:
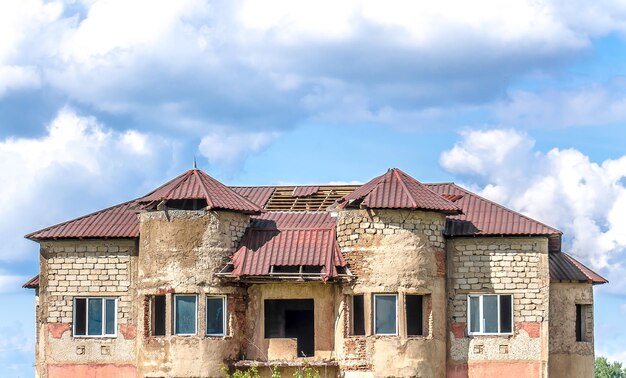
(521, 101)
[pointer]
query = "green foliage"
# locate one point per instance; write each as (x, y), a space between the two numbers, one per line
(606, 369)
(253, 372)
(306, 372)
(275, 372)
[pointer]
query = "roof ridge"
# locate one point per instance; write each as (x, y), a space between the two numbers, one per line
(209, 200)
(506, 208)
(406, 189)
(29, 235)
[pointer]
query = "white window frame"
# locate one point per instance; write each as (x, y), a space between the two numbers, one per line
(482, 319)
(395, 295)
(224, 315)
(104, 334)
(195, 332)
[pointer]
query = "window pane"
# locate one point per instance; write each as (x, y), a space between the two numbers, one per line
(94, 317)
(414, 315)
(385, 314)
(505, 314)
(80, 316)
(110, 317)
(490, 313)
(215, 316)
(474, 314)
(185, 316)
(358, 315)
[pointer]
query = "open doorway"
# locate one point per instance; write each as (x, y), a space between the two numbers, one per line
(292, 318)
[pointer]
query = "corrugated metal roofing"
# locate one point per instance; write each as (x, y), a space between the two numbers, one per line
(33, 283)
(564, 267)
(483, 217)
(195, 184)
(288, 239)
(305, 191)
(397, 190)
(114, 222)
(257, 194)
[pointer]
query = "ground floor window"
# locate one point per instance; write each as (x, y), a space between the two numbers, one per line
(216, 315)
(490, 314)
(385, 314)
(185, 314)
(291, 318)
(95, 316)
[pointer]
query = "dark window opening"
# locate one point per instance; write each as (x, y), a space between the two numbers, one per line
(581, 322)
(80, 317)
(158, 315)
(291, 318)
(506, 315)
(187, 204)
(311, 269)
(358, 315)
(414, 315)
(289, 269)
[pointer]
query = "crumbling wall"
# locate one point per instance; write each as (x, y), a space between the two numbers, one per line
(323, 295)
(180, 252)
(70, 268)
(517, 266)
(568, 357)
(396, 252)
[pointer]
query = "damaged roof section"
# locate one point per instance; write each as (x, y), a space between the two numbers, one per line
(289, 239)
(397, 190)
(195, 184)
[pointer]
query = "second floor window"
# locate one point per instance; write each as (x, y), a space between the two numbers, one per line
(385, 314)
(490, 314)
(95, 316)
(216, 315)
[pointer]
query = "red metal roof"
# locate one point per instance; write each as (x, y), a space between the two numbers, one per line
(195, 184)
(483, 217)
(305, 191)
(397, 190)
(257, 194)
(33, 283)
(114, 222)
(564, 267)
(288, 239)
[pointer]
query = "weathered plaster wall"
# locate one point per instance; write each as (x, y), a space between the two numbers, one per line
(179, 254)
(323, 295)
(402, 252)
(517, 266)
(568, 357)
(70, 268)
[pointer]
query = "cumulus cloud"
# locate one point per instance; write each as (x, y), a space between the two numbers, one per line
(230, 149)
(77, 162)
(275, 64)
(564, 188)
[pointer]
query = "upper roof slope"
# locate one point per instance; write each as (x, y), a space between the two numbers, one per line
(397, 190)
(480, 216)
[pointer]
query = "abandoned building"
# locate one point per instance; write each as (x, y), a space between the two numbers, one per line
(390, 278)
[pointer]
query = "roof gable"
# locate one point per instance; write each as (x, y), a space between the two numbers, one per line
(397, 190)
(195, 184)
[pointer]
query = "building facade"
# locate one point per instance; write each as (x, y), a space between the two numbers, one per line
(390, 278)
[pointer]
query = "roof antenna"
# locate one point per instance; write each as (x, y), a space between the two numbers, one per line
(195, 165)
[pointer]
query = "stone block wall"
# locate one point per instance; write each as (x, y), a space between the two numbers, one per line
(394, 252)
(72, 268)
(517, 266)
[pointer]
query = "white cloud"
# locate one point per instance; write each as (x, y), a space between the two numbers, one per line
(79, 160)
(11, 282)
(564, 188)
(231, 149)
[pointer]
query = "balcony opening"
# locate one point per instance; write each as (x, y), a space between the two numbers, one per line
(292, 318)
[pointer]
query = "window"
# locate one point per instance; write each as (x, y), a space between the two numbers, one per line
(490, 314)
(158, 315)
(216, 315)
(385, 319)
(95, 317)
(414, 315)
(185, 310)
(583, 315)
(358, 316)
